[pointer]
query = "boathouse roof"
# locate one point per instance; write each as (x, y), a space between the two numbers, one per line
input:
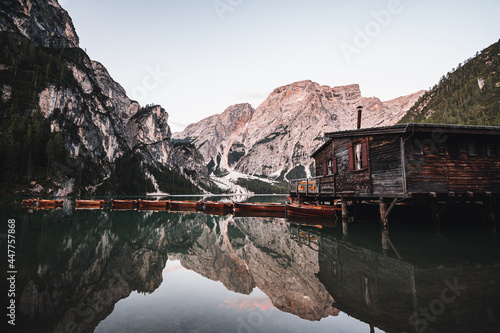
(409, 128)
(412, 127)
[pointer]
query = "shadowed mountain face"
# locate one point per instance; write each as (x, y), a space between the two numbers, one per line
(49, 84)
(75, 265)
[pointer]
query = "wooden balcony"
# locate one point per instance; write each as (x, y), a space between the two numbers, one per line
(316, 186)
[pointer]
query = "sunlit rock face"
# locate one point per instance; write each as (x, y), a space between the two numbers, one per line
(282, 132)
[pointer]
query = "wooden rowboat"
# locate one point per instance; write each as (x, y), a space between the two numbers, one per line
(124, 204)
(49, 203)
(29, 202)
(91, 203)
(216, 206)
(153, 204)
(303, 210)
(258, 207)
(183, 206)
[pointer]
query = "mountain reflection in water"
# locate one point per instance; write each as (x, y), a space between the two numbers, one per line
(103, 271)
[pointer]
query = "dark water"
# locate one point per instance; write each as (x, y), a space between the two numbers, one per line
(140, 271)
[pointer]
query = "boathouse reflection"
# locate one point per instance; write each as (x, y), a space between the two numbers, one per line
(436, 287)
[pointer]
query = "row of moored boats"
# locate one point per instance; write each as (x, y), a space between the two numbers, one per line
(215, 207)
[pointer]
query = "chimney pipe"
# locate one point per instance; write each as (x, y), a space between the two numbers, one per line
(360, 109)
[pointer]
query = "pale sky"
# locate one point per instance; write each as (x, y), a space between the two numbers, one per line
(197, 57)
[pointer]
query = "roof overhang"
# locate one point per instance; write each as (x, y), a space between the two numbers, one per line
(412, 128)
(409, 128)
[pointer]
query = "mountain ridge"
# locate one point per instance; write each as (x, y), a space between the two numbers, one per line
(279, 136)
(468, 94)
(91, 138)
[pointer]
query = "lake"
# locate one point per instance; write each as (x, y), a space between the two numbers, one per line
(145, 271)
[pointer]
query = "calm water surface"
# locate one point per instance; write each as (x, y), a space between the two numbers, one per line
(146, 271)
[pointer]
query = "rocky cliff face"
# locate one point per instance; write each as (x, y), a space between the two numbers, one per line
(45, 23)
(98, 121)
(281, 133)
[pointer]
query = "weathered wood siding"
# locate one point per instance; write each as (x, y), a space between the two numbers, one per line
(350, 182)
(442, 163)
(385, 165)
(455, 170)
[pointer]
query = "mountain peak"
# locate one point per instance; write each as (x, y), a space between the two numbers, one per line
(279, 136)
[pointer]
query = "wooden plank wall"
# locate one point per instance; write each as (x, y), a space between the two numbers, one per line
(455, 170)
(350, 182)
(385, 165)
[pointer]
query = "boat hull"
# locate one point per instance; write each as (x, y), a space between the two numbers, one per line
(153, 205)
(183, 206)
(49, 203)
(216, 206)
(91, 203)
(124, 204)
(259, 207)
(311, 211)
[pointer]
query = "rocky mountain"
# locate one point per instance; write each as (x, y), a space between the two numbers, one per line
(469, 94)
(45, 23)
(245, 253)
(277, 138)
(67, 126)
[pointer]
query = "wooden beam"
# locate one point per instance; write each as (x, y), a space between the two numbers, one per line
(403, 164)
(345, 215)
(383, 213)
(390, 208)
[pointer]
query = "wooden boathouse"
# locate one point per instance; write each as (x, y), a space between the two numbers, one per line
(405, 162)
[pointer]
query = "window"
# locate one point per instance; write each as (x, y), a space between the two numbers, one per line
(490, 149)
(358, 155)
(472, 148)
(417, 147)
(332, 166)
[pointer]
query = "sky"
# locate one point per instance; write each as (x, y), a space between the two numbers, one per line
(197, 57)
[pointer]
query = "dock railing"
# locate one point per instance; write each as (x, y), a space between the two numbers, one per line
(312, 186)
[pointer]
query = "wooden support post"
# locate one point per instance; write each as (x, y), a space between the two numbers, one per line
(345, 215)
(385, 243)
(345, 228)
(383, 213)
(489, 214)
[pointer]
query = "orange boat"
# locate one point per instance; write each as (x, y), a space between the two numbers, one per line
(49, 203)
(183, 206)
(221, 206)
(153, 204)
(29, 202)
(259, 207)
(124, 204)
(316, 211)
(91, 203)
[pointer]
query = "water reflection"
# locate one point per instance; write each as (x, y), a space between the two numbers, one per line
(75, 266)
